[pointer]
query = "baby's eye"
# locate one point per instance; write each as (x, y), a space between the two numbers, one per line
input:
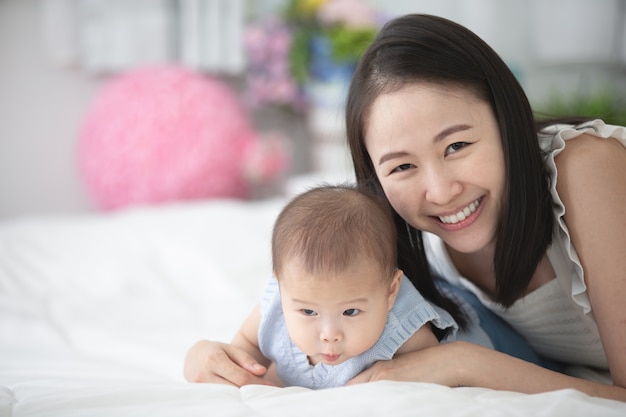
(351, 312)
(403, 167)
(455, 147)
(308, 312)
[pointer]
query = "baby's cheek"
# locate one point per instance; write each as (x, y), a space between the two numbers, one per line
(301, 335)
(364, 338)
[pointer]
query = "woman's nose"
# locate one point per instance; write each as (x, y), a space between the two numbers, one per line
(441, 186)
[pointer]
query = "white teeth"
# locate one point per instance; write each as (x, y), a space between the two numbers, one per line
(461, 215)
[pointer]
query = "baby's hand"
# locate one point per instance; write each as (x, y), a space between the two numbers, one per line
(222, 363)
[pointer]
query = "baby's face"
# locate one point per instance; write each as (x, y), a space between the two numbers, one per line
(333, 318)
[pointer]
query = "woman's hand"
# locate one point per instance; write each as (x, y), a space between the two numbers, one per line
(223, 363)
(439, 364)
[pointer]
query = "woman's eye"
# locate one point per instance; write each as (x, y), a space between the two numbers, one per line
(351, 312)
(403, 167)
(308, 312)
(456, 146)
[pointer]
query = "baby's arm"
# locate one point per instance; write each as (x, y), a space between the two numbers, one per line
(247, 337)
(421, 339)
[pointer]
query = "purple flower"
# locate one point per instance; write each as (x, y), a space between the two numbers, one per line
(268, 80)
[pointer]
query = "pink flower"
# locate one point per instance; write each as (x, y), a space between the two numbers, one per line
(266, 159)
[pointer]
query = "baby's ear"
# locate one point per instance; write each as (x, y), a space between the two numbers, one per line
(394, 288)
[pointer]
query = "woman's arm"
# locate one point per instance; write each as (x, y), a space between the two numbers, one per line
(460, 364)
(592, 172)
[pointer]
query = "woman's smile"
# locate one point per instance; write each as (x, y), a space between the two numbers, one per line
(462, 218)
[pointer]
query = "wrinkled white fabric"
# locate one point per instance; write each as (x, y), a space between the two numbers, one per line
(97, 312)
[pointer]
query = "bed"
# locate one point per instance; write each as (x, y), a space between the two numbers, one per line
(98, 310)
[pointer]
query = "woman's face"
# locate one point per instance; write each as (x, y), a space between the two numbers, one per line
(438, 155)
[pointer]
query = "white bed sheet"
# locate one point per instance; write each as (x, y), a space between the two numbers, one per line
(98, 310)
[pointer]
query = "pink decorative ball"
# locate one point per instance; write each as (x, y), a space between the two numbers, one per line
(163, 134)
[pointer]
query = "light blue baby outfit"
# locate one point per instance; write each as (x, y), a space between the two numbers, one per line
(410, 312)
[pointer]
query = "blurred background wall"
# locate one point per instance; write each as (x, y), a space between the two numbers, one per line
(556, 48)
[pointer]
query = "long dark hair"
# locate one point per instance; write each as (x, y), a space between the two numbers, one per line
(424, 48)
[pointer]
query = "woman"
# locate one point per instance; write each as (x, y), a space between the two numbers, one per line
(438, 125)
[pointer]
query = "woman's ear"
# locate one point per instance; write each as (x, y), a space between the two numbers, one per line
(394, 287)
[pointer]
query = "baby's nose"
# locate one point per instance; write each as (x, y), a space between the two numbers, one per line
(331, 333)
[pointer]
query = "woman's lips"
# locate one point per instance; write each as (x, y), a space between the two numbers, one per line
(463, 218)
(461, 214)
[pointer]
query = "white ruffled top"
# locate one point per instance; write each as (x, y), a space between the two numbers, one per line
(557, 318)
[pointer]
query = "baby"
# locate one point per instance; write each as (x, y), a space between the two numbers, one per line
(336, 303)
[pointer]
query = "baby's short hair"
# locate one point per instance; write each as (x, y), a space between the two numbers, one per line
(329, 227)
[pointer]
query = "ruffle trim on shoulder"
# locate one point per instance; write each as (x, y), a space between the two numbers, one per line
(552, 141)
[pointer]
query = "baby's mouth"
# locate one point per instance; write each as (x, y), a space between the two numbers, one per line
(330, 357)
